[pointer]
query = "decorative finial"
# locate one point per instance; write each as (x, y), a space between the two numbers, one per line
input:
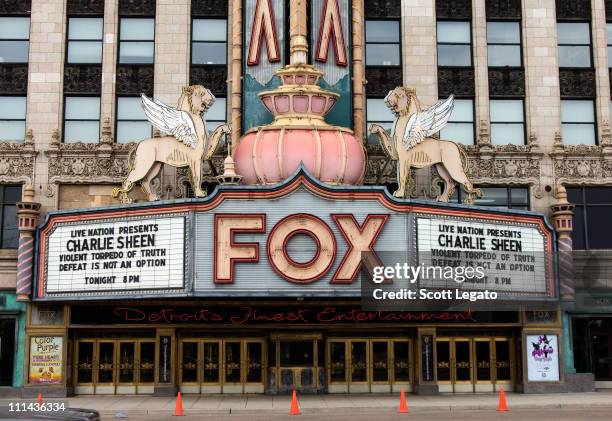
(229, 176)
(558, 143)
(483, 134)
(55, 137)
(107, 132)
(29, 137)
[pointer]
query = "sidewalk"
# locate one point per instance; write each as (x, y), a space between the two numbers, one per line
(225, 404)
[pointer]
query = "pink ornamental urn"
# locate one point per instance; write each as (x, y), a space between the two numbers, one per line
(299, 135)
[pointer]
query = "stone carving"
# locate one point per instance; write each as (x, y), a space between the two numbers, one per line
(82, 79)
(209, 8)
(86, 7)
(17, 160)
(137, 8)
(13, 78)
(132, 79)
(381, 80)
(412, 146)
(503, 9)
(188, 145)
(455, 81)
(506, 82)
(577, 83)
(573, 9)
(454, 9)
(213, 77)
(383, 9)
(15, 7)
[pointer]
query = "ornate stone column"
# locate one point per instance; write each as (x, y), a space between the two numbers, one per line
(28, 212)
(358, 69)
(236, 72)
(298, 43)
(562, 214)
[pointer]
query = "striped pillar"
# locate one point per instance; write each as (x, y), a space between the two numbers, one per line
(27, 212)
(563, 213)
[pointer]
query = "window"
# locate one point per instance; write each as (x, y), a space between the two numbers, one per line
(504, 44)
(382, 43)
(132, 124)
(498, 197)
(574, 40)
(507, 121)
(609, 28)
(84, 40)
(460, 126)
(217, 114)
(454, 44)
(209, 41)
(82, 119)
(136, 40)
(377, 112)
(592, 222)
(578, 121)
(14, 39)
(12, 117)
(10, 233)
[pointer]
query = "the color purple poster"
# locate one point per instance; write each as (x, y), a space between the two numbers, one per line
(542, 358)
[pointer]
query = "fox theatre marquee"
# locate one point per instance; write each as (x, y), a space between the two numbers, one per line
(271, 275)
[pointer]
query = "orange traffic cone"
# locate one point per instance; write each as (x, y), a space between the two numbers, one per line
(502, 406)
(295, 407)
(178, 409)
(39, 398)
(403, 409)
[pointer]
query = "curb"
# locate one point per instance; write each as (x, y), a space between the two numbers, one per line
(319, 410)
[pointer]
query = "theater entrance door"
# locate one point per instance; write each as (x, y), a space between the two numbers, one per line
(297, 362)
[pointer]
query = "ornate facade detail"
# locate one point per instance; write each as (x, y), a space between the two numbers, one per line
(506, 82)
(135, 79)
(137, 8)
(455, 81)
(86, 7)
(577, 82)
(585, 165)
(454, 9)
(573, 9)
(483, 134)
(213, 77)
(211, 169)
(381, 80)
(383, 9)
(82, 79)
(17, 160)
(209, 8)
(15, 7)
(13, 78)
(88, 162)
(503, 9)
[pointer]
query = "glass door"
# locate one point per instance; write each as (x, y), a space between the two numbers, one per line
(401, 364)
(337, 372)
(84, 370)
(483, 371)
(222, 366)
(126, 375)
(145, 367)
(105, 381)
(503, 362)
(297, 363)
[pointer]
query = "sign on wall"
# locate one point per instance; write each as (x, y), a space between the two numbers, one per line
(542, 358)
(116, 255)
(46, 360)
(513, 256)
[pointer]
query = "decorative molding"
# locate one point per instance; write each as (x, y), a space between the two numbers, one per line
(137, 8)
(15, 7)
(573, 9)
(577, 83)
(454, 9)
(85, 7)
(503, 9)
(17, 160)
(210, 170)
(14, 78)
(458, 81)
(381, 80)
(94, 163)
(213, 77)
(383, 9)
(209, 8)
(134, 79)
(506, 82)
(83, 79)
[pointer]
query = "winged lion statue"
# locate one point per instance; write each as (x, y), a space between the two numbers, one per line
(187, 143)
(411, 143)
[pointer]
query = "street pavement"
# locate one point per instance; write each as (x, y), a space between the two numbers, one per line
(384, 414)
(378, 407)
